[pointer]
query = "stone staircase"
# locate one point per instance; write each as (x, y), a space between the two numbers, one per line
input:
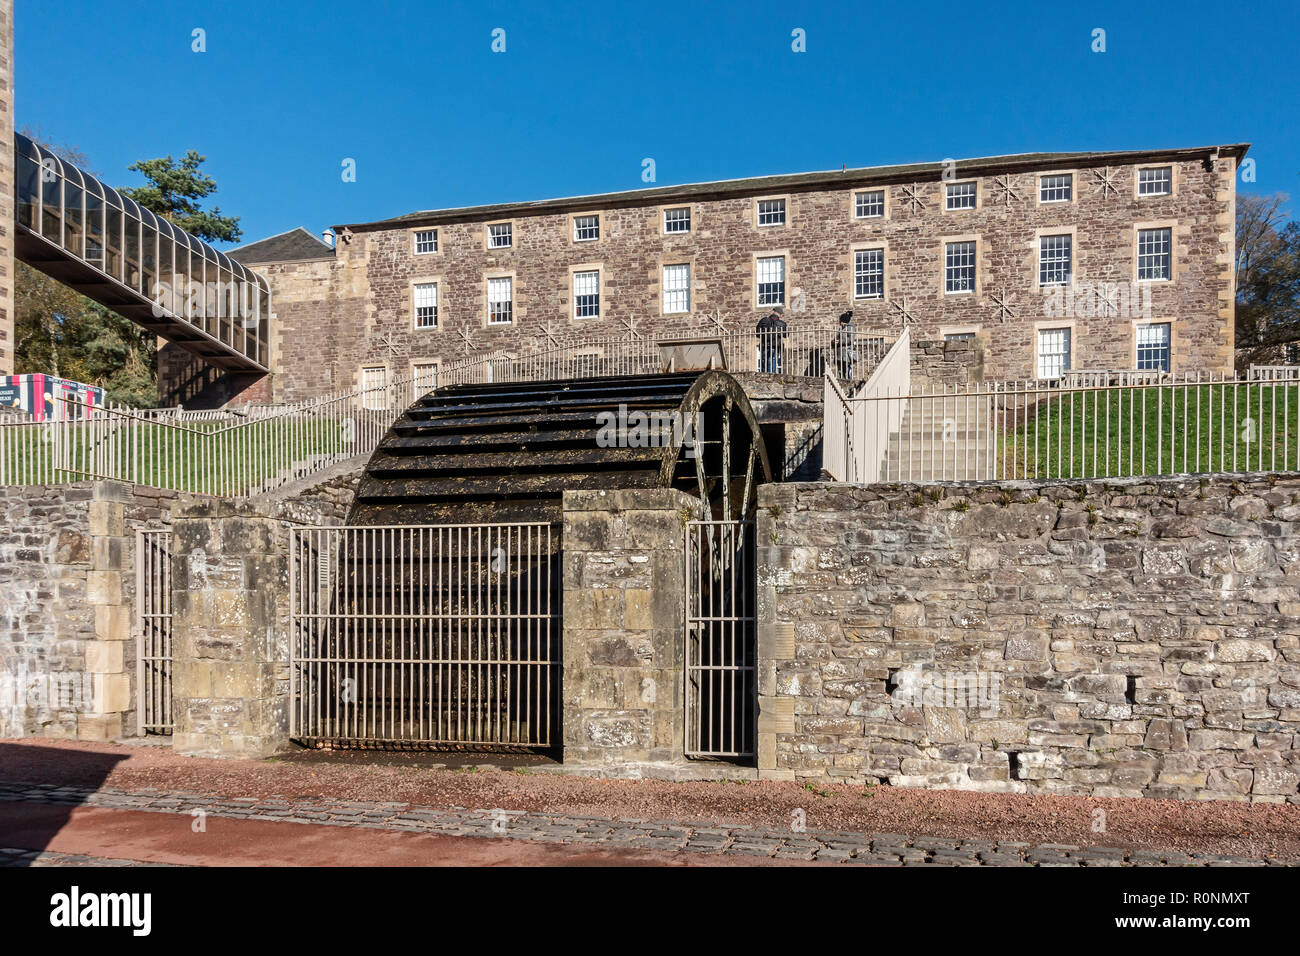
(942, 438)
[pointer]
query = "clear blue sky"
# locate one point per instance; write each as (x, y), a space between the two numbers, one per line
(585, 91)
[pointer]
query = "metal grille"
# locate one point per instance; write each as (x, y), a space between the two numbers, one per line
(428, 635)
(721, 696)
(153, 631)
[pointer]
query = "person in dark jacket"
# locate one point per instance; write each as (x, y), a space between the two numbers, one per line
(844, 347)
(771, 340)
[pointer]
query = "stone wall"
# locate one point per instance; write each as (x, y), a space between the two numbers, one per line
(1135, 639)
(67, 593)
(942, 362)
(623, 625)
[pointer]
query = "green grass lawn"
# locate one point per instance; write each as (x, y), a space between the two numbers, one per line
(201, 457)
(1156, 430)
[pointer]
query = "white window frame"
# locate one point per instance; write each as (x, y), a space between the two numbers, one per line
(676, 294)
(417, 305)
(1050, 259)
(875, 276)
(776, 207)
(495, 282)
(1061, 356)
(950, 194)
(509, 235)
(950, 269)
(1166, 347)
(374, 379)
(858, 204)
(1044, 188)
(1167, 255)
(416, 242)
(666, 220)
(594, 275)
(761, 299)
(595, 217)
(1167, 181)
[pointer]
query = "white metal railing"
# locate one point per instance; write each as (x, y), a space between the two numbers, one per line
(800, 352)
(857, 431)
(227, 452)
(425, 635)
(1187, 424)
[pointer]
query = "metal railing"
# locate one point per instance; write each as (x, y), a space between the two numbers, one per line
(799, 352)
(425, 635)
(1189, 424)
(227, 452)
(1288, 373)
(856, 432)
(721, 656)
(153, 631)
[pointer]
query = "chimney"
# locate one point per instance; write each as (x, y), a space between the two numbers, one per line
(328, 237)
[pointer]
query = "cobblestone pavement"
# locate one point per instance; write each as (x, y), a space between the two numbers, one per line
(10, 856)
(819, 846)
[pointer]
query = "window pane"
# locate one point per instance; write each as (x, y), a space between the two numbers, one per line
(586, 295)
(677, 289)
(869, 205)
(677, 220)
(426, 241)
(959, 267)
(1153, 347)
(1153, 254)
(500, 235)
(426, 305)
(869, 274)
(1056, 188)
(586, 228)
(771, 280)
(1054, 260)
(961, 195)
(1155, 182)
(771, 212)
(500, 301)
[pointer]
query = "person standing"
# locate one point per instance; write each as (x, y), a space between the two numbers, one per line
(844, 347)
(771, 340)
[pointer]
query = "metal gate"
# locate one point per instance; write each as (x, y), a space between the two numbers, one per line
(153, 631)
(428, 635)
(721, 696)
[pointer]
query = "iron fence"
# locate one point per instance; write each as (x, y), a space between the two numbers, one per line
(425, 635)
(153, 631)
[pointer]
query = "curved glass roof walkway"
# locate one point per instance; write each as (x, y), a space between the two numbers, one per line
(93, 239)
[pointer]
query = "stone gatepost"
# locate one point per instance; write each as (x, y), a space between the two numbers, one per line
(111, 705)
(230, 678)
(624, 625)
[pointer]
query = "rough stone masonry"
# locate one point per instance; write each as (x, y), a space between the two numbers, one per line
(1136, 639)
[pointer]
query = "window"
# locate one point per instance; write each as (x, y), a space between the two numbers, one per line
(586, 228)
(500, 301)
(586, 295)
(960, 196)
(426, 305)
(1053, 352)
(373, 380)
(1153, 257)
(959, 267)
(426, 241)
(677, 289)
(500, 235)
(869, 205)
(770, 271)
(1291, 353)
(1157, 181)
(1054, 260)
(771, 212)
(1058, 187)
(424, 379)
(1153, 346)
(959, 336)
(869, 274)
(677, 220)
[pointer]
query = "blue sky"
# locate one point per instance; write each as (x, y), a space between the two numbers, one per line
(585, 91)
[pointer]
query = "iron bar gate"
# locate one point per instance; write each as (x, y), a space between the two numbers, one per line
(153, 631)
(431, 635)
(721, 645)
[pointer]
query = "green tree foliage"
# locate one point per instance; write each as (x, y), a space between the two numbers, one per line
(64, 333)
(1268, 280)
(173, 193)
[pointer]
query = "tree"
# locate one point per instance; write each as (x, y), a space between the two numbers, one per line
(1268, 280)
(173, 191)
